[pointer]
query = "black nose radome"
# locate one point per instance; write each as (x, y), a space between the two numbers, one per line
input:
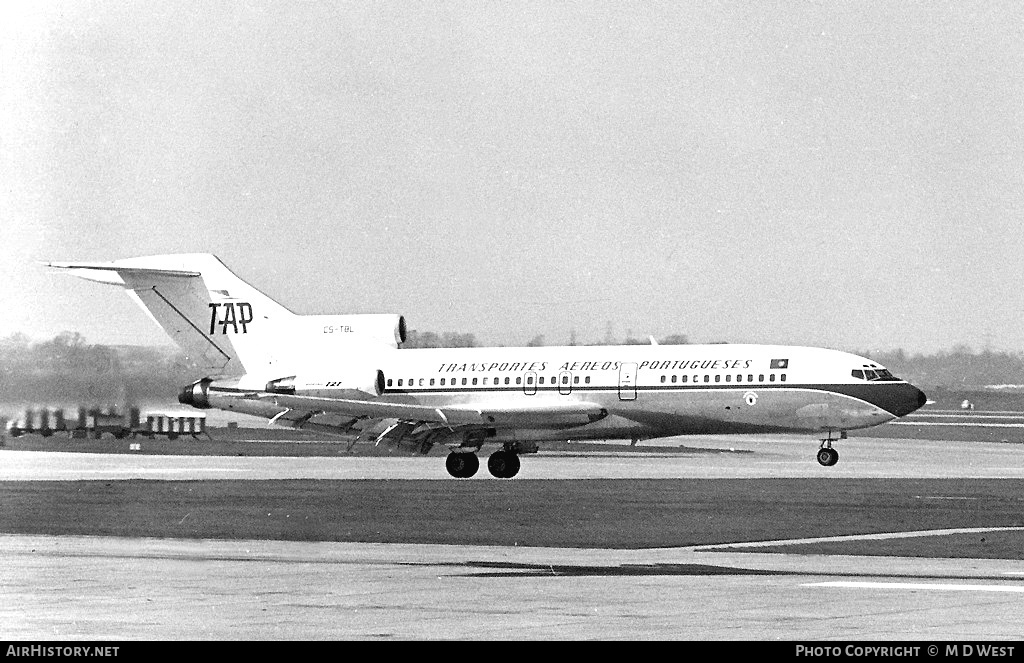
(906, 399)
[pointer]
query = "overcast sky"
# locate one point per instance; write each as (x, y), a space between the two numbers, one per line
(848, 175)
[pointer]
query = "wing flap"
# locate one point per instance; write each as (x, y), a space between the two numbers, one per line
(543, 415)
(375, 409)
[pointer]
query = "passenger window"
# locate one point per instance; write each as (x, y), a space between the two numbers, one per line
(663, 379)
(474, 380)
(389, 382)
(431, 382)
(575, 379)
(463, 381)
(442, 381)
(707, 378)
(783, 377)
(728, 378)
(399, 382)
(750, 378)
(760, 377)
(771, 378)
(739, 378)
(684, 378)
(507, 380)
(718, 378)
(587, 379)
(520, 381)
(421, 382)
(540, 380)
(674, 378)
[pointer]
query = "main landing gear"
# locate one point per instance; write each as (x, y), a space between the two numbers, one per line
(464, 464)
(828, 456)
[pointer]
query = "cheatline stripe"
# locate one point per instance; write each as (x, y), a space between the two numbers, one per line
(878, 394)
(860, 537)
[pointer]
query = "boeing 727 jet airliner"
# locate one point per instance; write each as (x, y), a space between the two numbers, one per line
(348, 374)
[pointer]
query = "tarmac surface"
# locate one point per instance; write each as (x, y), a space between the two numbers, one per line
(127, 588)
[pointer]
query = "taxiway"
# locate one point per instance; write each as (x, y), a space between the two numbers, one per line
(119, 588)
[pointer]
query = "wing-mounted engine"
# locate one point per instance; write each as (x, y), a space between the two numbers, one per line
(358, 383)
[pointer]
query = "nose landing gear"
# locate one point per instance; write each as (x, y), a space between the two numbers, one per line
(828, 456)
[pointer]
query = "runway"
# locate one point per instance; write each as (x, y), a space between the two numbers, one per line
(125, 588)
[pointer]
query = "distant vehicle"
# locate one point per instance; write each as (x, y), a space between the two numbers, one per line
(172, 425)
(96, 422)
(347, 374)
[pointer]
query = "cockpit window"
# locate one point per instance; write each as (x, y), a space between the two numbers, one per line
(874, 375)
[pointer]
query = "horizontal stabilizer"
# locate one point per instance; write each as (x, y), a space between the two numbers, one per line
(225, 326)
(85, 270)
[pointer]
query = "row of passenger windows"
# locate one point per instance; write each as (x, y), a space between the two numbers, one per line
(442, 382)
(718, 378)
(432, 382)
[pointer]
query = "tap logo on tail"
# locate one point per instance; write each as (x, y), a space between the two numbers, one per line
(233, 314)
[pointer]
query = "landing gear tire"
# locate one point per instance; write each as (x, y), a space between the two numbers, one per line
(503, 464)
(462, 465)
(828, 456)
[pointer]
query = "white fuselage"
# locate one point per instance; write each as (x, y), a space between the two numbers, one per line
(648, 391)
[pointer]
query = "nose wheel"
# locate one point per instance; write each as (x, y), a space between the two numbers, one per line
(828, 456)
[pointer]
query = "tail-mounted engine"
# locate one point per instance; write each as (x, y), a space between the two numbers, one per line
(196, 394)
(350, 384)
(336, 330)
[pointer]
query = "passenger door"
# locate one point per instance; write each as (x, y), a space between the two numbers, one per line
(627, 382)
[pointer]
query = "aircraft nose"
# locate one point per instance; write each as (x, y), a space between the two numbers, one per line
(908, 399)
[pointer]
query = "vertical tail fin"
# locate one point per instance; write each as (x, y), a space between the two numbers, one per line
(223, 324)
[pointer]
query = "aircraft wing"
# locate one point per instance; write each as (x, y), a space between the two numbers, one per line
(542, 415)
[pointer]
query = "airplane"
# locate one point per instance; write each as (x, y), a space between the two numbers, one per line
(348, 374)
